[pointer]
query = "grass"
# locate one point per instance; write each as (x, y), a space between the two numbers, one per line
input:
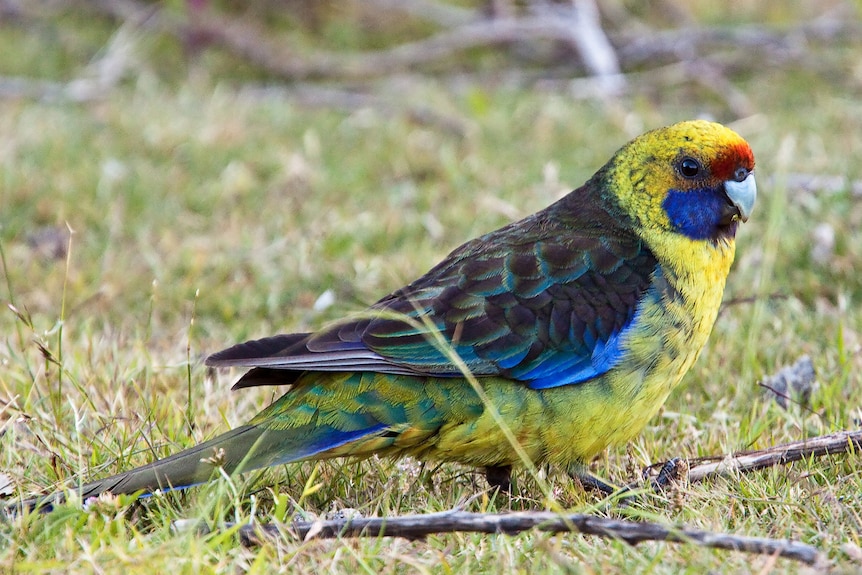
(170, 219)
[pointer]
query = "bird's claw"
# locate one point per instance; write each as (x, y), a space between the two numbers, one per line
(499, 477)
(672, 472)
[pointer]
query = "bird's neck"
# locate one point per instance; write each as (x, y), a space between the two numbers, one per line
(676, 318)
(696, 269)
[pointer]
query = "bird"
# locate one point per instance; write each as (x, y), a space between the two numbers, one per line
(547, 340)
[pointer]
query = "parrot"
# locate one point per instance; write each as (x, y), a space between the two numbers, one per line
(543, 342)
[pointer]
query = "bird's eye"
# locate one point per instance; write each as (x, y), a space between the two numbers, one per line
(689, 167)
(740, 174)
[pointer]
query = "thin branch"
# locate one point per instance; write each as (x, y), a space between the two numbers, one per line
(251, 42)
(12, 87)
(362, 66)
(835, 443)
(684, 43)
(420, 526)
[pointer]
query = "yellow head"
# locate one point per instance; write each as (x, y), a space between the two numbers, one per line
(692, 178)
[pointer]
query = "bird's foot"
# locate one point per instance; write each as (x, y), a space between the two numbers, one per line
(499, 477)
(669, 476)
(592, 483)
(671, 473)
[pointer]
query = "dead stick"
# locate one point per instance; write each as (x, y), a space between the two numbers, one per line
(251, 42)
(419, 526)
(840, 442)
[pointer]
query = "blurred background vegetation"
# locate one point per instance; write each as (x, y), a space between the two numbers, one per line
(181, 175)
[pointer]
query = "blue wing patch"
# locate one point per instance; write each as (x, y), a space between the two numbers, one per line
(568, 369)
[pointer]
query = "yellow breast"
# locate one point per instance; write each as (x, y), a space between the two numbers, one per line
(670, 335)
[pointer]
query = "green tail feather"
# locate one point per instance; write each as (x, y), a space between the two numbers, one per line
(187, 468)
(239, 450)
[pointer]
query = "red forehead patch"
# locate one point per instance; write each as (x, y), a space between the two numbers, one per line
(732, 157)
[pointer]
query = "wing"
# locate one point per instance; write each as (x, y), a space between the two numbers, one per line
(546, 301)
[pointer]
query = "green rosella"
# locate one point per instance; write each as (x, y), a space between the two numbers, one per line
(577, 322)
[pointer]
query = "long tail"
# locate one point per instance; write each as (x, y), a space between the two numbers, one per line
(323, 416)
(239, 450)
(184, 469)
(231, 451)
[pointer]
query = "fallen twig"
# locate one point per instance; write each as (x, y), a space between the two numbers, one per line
(597, 53)
(683, 43)
(419, 526)
(30, 88)
(250, 43)
(840, 442)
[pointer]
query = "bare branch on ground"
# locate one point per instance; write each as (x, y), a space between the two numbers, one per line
(586, 38)
(835, 443)
(420, 526)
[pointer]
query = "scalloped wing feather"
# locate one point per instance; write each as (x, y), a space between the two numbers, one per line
(546, 301)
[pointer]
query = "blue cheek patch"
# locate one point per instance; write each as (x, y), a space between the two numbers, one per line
(694, 213)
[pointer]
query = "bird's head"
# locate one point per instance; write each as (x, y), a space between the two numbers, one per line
(693, 178)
